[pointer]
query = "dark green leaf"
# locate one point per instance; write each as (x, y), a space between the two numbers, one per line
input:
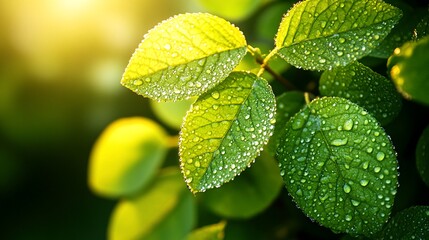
(339, 166)
(288, 104)
(361, 85)
(408, 68)
(164, 211)
(249, 194)
(411, 223)
(321, 34)
(225, 130)
(422, 156)
(184, 56)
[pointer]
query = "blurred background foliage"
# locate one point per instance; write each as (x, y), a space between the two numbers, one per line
(60, 66)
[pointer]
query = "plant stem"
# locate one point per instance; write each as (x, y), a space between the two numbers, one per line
(264, 66)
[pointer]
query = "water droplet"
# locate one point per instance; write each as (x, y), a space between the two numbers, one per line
(348, 218)
(364, 182)
(215, 94)
(339, 142)
(377, 169)
(348, 125)
(369, 150)
(167, 46)
(322, 60)
(137, 82)
(323, 24)
(355, 203)
(380, 156)
(376, 37)
(347, 188)
(299, 192)
(341, 40)
(365, 165)
(197, 164)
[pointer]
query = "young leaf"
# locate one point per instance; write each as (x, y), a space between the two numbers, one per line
(409, 71)
(233, 9)
(184, 56)
(126, 156)
(225, 130)
(249, 194)
(164, 211)
(339, 166)
(211, 232)
(361, 85)
(422, 156)
(411, 223)
(321, 34)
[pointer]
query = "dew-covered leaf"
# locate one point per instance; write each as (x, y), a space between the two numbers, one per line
(126, 156)
(339, 166)
(361, 85)
(171, 113)
(402, 32)
(249, 194)
(210, 232)
(184, 56)
(408, 68)
(166, 210)
(422, 28)
(321, 34)
(411, 223)
(422, 156)
(225, 130)
(288, 103)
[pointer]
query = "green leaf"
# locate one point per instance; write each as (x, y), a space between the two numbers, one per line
(409, 70)
(288, 104)
(171, 113)
(164, 211)
(232, 9)
(411, 223)
(225, 130)
(401, 33)
(422, 156)
(126, 156)
(339, 166)
(211, 232)
(422, 28)
(249, 194)
(321, 34)
(361, 85)
(184, 56)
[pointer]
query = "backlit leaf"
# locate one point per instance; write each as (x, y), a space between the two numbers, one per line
(321, 34)
(411, 223)
(249, 194)
(164, 211)
(339, 166)
(211, 232)
(361, 85)
(184, 56)
(408, 68)
(225, 130)
(126, 156)
(422, 156)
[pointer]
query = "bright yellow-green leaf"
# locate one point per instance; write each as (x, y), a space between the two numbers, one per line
(126, 156)
(321, 34)
(211, 232)
(184, 56)
(225, 130)
(166, 210)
